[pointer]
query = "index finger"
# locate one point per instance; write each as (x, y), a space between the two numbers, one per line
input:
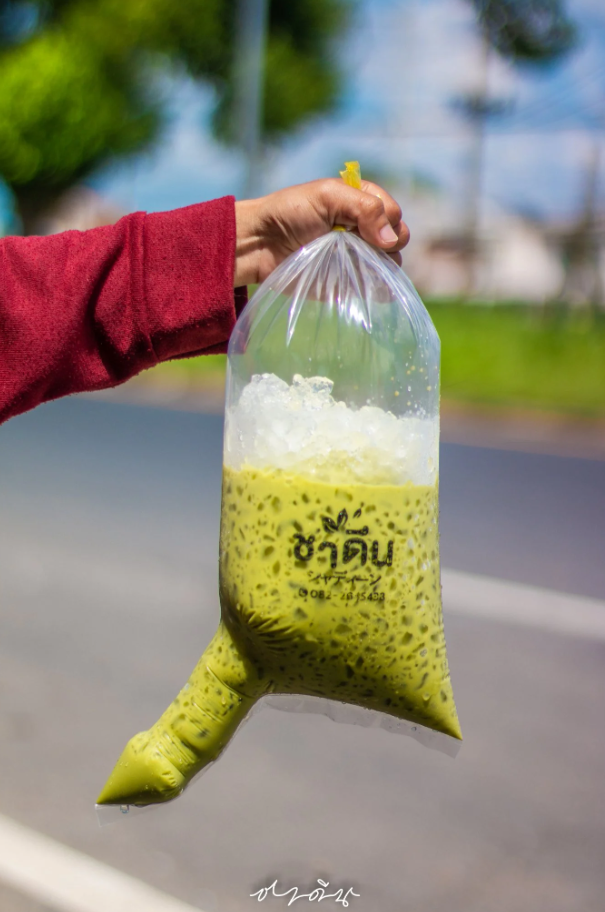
(391, 206)
(371, 211)
(392, 210)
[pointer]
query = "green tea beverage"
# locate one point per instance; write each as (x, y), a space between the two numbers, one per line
(329, 583)
(334, 590)
(329, 547)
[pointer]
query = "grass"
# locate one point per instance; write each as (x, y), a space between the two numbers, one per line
(504, 355)
(515, 355)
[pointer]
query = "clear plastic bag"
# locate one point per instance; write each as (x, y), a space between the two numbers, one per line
(329, 551)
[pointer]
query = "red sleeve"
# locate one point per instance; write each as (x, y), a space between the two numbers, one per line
(87, 310)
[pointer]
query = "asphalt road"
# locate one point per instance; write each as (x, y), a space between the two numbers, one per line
(108, 535)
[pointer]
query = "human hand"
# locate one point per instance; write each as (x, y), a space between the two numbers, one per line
(270, 228)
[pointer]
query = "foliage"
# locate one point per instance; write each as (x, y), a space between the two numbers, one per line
(79, 78)
(535, 31)
(64, 109)
(301, 78)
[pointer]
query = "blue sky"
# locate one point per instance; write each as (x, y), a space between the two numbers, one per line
(405, 61)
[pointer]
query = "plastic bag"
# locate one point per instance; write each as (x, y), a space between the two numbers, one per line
(329, 550)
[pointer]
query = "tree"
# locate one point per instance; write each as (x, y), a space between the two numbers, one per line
(79, 80)
(530, 31)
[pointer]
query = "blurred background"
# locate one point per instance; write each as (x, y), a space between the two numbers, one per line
(486, 120)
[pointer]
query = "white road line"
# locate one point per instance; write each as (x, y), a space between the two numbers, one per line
(514, 603)
(68, 881)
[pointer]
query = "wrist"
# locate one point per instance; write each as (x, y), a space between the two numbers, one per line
(248, 244)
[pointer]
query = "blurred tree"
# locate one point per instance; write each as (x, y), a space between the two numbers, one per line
(534, 31)
(79, 80)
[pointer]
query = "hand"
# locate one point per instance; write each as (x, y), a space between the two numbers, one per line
(270, 228)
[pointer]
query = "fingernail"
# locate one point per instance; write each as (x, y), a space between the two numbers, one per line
(387, 235)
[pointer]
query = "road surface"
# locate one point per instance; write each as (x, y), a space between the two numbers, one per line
(108, 535)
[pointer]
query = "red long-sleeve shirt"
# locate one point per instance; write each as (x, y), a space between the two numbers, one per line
(86, 310)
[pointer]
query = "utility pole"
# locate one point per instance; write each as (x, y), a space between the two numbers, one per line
(478, 115)
(583, 284)
(251, 36)
(478, 108)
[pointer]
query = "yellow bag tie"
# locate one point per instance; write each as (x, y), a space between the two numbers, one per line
(351, 176)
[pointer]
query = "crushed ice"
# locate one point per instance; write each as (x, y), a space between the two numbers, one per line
(303, 429)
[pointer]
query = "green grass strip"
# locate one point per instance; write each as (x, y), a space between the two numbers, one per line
(523, 356)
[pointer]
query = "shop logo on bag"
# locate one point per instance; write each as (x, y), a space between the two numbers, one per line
(343, 517)
(304, 549)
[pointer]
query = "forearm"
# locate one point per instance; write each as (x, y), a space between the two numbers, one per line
(87, 310)
(248, 242)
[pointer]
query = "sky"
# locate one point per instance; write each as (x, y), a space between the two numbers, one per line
(405, 62)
